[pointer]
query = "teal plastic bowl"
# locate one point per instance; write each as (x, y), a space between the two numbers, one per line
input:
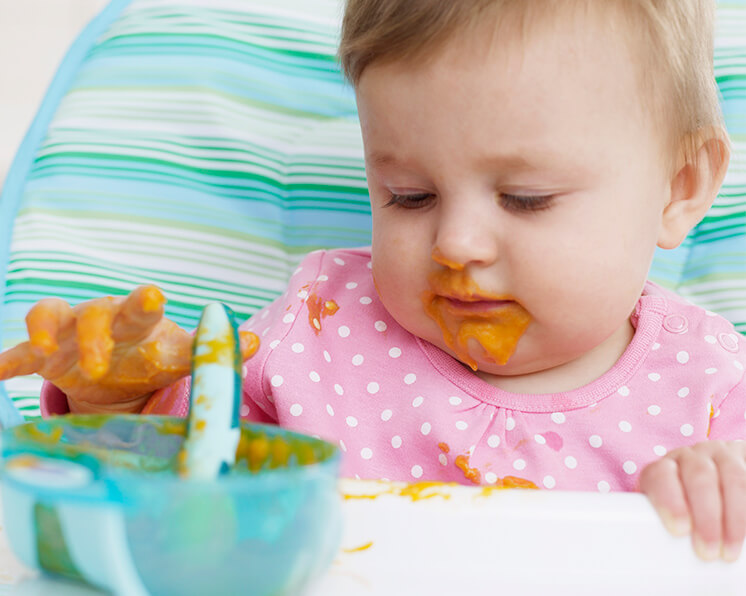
(96, 499)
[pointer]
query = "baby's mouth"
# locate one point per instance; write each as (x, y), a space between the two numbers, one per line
(465, 312)
(475, 306)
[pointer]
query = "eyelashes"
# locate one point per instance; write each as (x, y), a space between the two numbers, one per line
(509, 202)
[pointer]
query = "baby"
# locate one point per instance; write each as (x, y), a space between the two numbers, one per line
(524, 160)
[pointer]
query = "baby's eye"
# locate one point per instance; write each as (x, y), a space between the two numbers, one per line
(413, 201)
(524, 204)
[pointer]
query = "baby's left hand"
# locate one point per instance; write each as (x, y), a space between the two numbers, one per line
(702, 489)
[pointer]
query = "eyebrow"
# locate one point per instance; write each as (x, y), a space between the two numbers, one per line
(513, 161)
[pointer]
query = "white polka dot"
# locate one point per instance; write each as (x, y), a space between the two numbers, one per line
(416, 471)
(344, 331)
(276, 381)
(329, 410)
(509, 423)
(425, 428)
(380, 326)
(410, 378)
(351, 421)
(274, 344)
(683, 392)
(656, 346)
(302, 294)
(654, 377)
(629, 467)
(386, 415)
(396, 441)
(738, 365)
(366, 300)
(625, 426)
(603, 486)
(373, 387)
(366, 453)
(654, 410)
(687, 430)
(327, 356)
(314, 376)
(710, 339)
(342, 445)
(369, 264)
(265, 332)
(490, 478)
(558, 417)
(297, 271)
(338, 389)
(358, 359)
(519, 464)
(709, 313)
(417, 401)
(660, 450)
(493, 441)
(296, 409)
(297, 348)
(351, 285)
(571, 462)
(682, 357)
(595, 441)
(338, 261)
(245, 410)
(710, 371)
(264, 314)
(288, 318)
(443, 459)
(394, 352)
(623, 391)
(461, 425)
(549, 482)
(540, 439)
(454, 400)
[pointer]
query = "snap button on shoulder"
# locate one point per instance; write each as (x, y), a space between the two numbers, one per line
(676, 323)
(728, 341)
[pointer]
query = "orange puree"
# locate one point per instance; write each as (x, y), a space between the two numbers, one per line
(497, 330)
(462, 463)
(318, 308)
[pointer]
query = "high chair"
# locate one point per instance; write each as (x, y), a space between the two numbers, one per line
(205, 146)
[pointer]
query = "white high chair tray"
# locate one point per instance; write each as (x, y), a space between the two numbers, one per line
(462, 540)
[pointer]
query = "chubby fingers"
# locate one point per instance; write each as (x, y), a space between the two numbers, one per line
(732, 465)
(138, 314)
(661, 483)
(46, 321)
(22, 359)
(249, 343)
(95, 343)
(702, 489)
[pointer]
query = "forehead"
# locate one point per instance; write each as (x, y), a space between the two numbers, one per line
(568, 81)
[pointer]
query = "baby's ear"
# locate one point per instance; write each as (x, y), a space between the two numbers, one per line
(695, 185)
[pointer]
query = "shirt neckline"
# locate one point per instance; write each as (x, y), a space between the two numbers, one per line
(648, 316)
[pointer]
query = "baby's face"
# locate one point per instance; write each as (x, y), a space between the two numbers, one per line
(531, 165)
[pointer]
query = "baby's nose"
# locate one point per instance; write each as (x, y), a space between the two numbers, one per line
(464, 239)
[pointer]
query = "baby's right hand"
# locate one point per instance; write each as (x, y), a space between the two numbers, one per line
(107, 355)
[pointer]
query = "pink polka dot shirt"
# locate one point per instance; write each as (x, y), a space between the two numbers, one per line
(402, 409)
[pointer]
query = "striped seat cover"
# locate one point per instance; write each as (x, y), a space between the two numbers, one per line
(206, 145)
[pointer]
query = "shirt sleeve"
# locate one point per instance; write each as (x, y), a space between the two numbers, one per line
(728, 422)
(273, 325)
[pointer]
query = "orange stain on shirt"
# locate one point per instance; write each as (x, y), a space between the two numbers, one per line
(318, 308)
(472, 474)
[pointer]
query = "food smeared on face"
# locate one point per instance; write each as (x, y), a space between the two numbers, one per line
(318, 308)
(463, 311)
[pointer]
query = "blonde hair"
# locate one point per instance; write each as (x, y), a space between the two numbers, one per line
(673, 39)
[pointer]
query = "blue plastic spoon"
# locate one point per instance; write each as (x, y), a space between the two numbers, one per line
(212, 434)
